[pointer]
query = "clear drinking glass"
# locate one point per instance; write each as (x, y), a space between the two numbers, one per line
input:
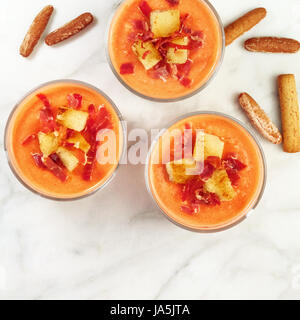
(251, 206)
(212, 74)
(8, 142)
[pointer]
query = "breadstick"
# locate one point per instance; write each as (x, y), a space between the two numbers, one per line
(272, 44)
(289, 112)
(69, 29)
(259, 119)
(35, 31)
(243, 24)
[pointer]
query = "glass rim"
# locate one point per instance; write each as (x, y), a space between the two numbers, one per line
(248, 210)
(189, 95)
(15, 108)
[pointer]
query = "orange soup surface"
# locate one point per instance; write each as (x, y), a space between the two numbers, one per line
(52, 140)
(228, 184)
(165, 51)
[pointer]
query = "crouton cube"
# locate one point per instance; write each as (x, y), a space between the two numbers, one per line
(207, 145)
(147, 54)
(220, 184)
(164, 23)
(178, 56)
(67, 158)
(73, 119)
(180, 171)
(48, 143)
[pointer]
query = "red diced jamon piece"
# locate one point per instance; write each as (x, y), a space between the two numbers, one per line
(29, 139)
(230, 162)
(173, 2)
(185, 82)
(208, 171)
(56, 159)
(207, 198)
(46, 114)
(47, 119)
(69, 133)
(141, 25)
(97, 120)
(184, 69)
(191, 186)
(38, 160)
(159, 73)
(233, 176)
(75, 100)
(215, 161)
(214, 199)
(44, 99)
(55, 169)
(67, 144)
(127, 68)
(145, 8)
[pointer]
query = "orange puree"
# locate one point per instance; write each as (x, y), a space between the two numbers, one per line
(25, 121)
(237, 140)
(205, 59)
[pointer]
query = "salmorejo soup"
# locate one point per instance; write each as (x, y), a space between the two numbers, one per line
(53, 138)
(206, 172)
(165, 49)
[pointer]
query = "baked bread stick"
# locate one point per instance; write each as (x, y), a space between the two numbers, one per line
(35, 31)
(243, 24)
(272, 44)
(289, 112)
(259, 119)
(69, 29)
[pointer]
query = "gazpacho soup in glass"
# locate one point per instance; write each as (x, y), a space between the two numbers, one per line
(54, 137)
(206, 172)
(165, 49)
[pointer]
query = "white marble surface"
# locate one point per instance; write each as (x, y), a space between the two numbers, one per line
(115, 244)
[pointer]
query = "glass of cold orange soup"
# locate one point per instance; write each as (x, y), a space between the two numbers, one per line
(165, 50)
(206, 172)
(53, 137)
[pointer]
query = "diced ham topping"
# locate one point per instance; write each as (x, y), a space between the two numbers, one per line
(186, 82)
(74, 100)
(207, 198)
(233, 176)
(56, 159)
(127, 68)
(47, 119)
(45, 100)
(215, 161)
(38, 160)
(99, 118)
(207, 171)
(145, 8)
(231, 163)
(193, 193)
(184, 69)
(55, 169)
(163, 70)
(173, 2)
(29, 139)
(141, 25)
(159, 73)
